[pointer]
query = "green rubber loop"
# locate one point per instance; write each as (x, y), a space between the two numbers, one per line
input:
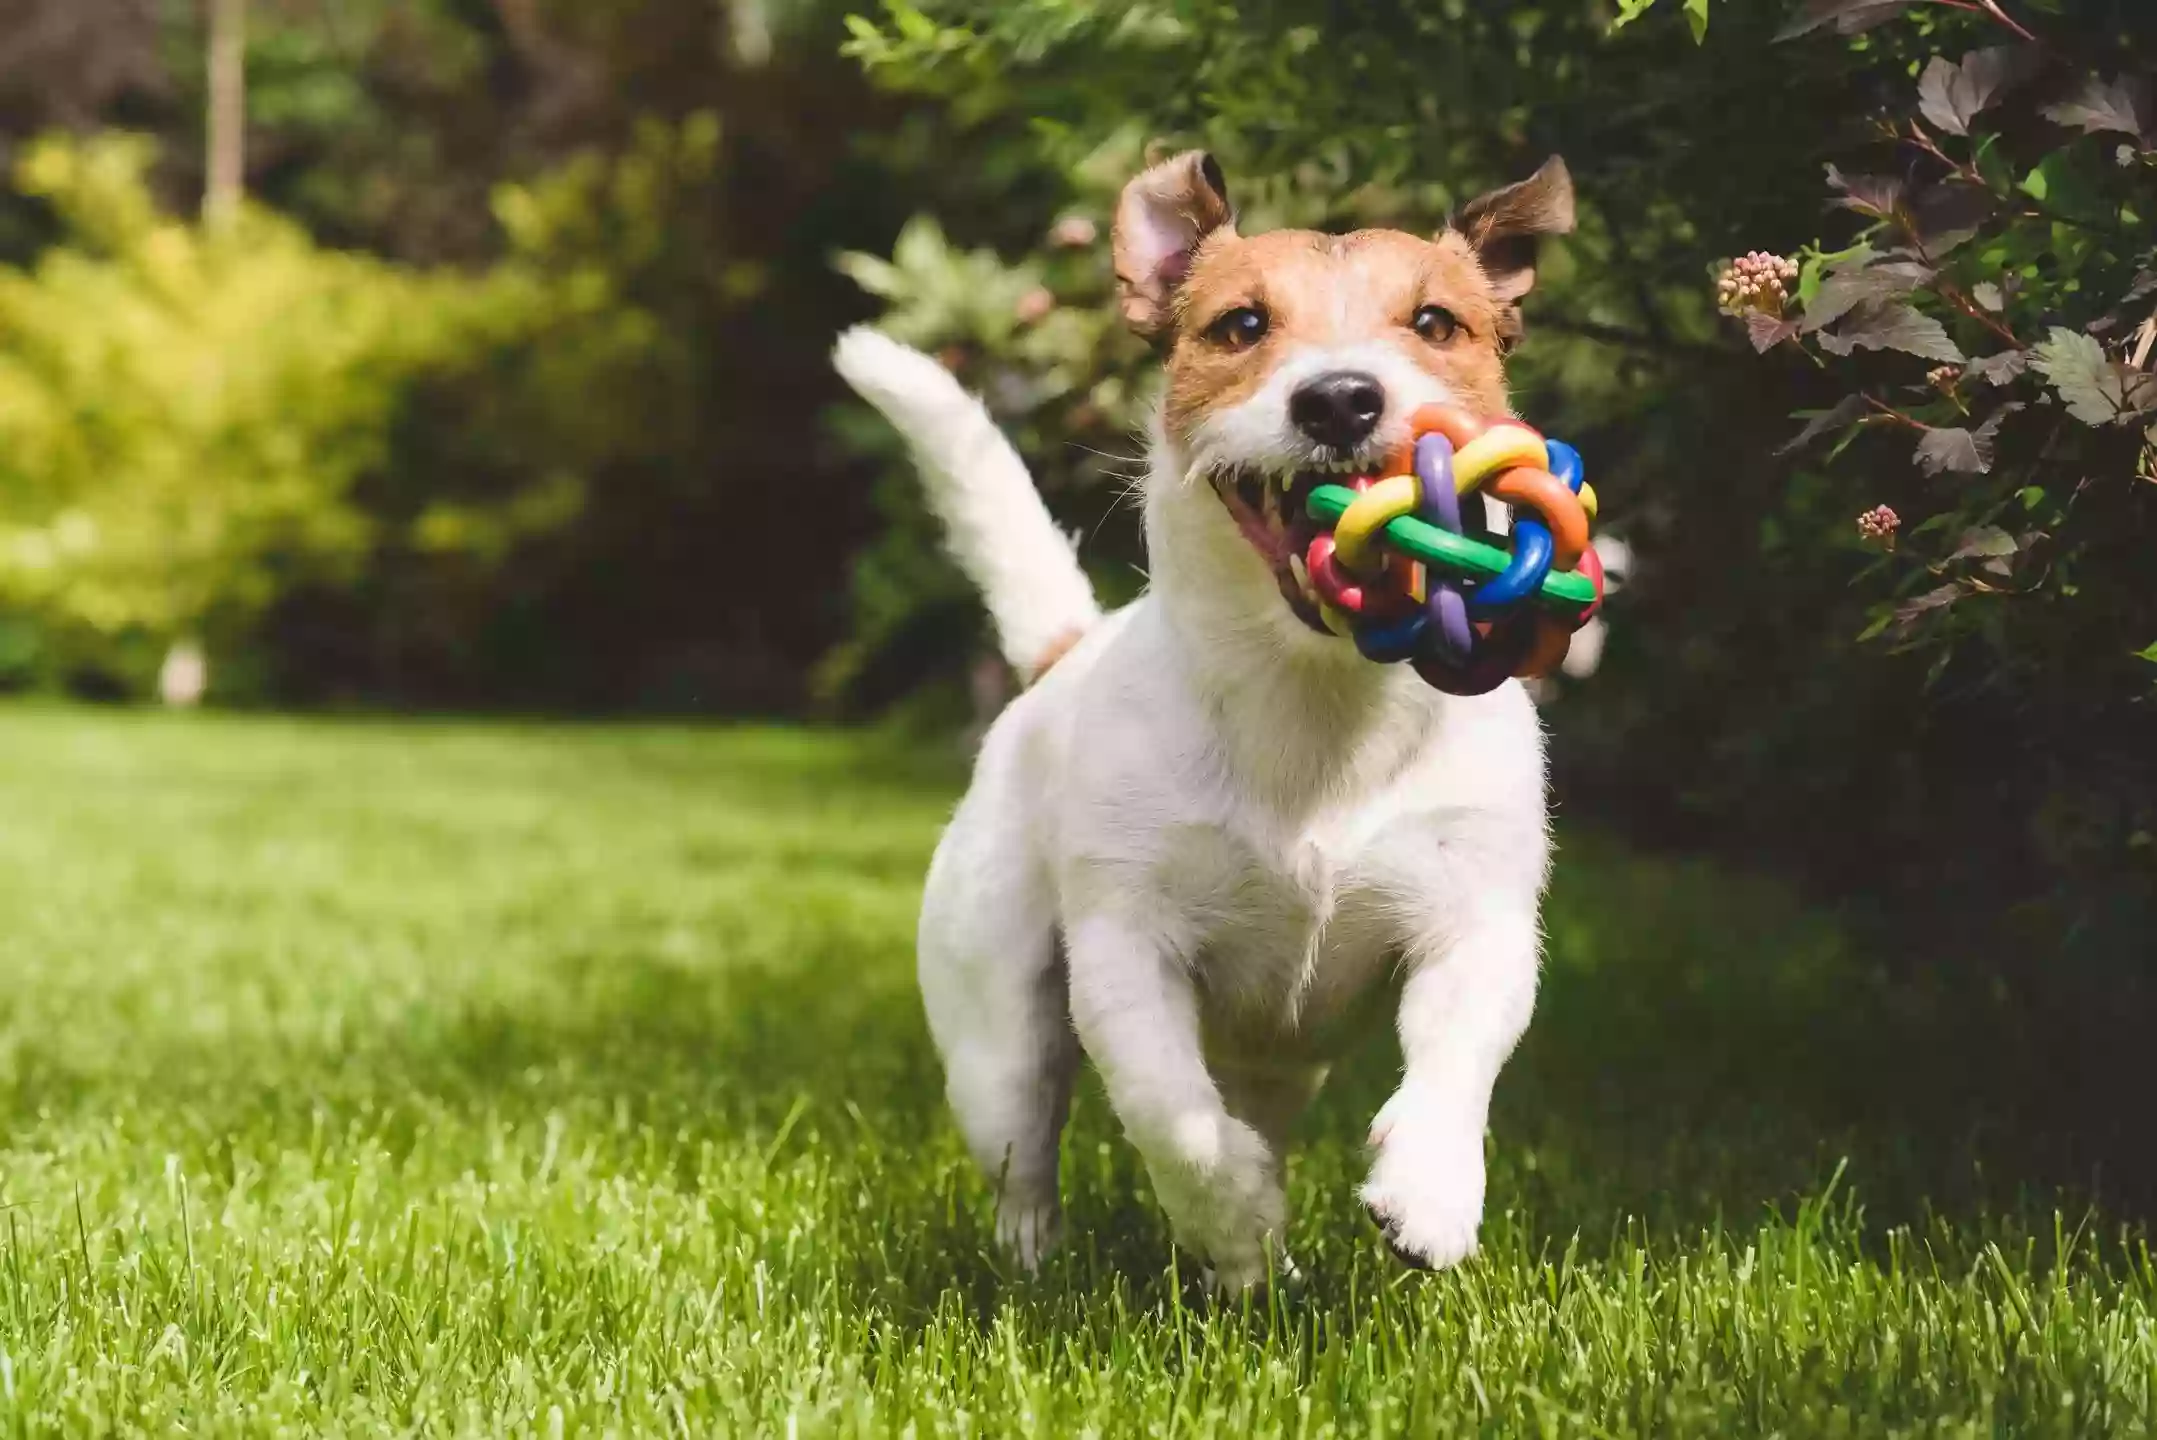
(1566, 592)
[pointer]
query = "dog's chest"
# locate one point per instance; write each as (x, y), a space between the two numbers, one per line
(1289, 929)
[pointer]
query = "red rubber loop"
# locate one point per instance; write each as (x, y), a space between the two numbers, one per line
(1350, 596)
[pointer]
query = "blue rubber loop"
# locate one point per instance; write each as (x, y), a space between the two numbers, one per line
(1565, 464)
(1532, 554)
(1393, 641)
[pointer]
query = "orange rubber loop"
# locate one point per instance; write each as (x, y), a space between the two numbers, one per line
(1456, 424)
(1545, 494)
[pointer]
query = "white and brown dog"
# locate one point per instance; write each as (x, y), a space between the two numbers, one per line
(1199, 845)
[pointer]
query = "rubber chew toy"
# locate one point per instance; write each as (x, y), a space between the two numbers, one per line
(1408, 578)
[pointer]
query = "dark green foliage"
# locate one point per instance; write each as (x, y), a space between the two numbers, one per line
(1986, 740)
(1986, 757)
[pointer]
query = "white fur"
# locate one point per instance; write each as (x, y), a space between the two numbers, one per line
(1199, 849)
(1259, 425)
(978, 487)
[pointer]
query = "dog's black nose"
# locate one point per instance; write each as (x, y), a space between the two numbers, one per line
(1340, 408)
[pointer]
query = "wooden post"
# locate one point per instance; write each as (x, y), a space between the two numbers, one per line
(228, 109)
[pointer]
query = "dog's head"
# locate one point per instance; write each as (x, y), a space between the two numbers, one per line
(1294, 355)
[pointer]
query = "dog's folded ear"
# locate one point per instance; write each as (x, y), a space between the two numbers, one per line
(1505, 228)
(1165, 212)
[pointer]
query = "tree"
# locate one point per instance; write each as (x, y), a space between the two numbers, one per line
(227, 128)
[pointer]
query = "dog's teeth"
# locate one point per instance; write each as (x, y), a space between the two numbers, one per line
(1302, 572)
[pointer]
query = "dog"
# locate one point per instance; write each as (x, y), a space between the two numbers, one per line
(1208, 838)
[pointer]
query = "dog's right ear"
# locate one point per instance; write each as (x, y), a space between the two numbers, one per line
(1163, 216)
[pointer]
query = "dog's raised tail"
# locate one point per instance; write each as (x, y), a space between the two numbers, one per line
(993, 518)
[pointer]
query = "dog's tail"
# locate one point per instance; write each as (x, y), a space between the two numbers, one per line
(994, 521)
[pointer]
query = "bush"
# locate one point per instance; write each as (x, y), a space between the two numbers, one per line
(540, 467)
(188, 416)
(1982, 743)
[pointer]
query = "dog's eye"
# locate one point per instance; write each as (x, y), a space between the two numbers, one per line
(1435, 323)
(1239, 328)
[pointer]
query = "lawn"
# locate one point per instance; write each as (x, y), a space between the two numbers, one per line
(452, 1077)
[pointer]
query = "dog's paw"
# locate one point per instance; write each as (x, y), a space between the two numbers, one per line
(1029, 1234)
(1425, 1189)
(1221, 1186)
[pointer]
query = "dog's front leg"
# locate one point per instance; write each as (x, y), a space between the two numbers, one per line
(1137, 1016)
(1466, 1001)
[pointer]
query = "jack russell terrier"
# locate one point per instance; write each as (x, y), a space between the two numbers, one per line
(1209, 834)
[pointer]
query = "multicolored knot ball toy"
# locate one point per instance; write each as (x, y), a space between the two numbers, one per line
(1410, 574)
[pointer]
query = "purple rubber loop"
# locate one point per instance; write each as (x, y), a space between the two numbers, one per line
(1448, 612)
(1450, 633)
(1494, 663)
(1434, 467)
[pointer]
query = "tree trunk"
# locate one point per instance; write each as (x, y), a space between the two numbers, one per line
(228, 108)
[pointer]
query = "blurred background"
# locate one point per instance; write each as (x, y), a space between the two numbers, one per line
(469, 355)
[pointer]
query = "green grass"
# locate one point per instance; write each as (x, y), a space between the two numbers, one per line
(492, 1080)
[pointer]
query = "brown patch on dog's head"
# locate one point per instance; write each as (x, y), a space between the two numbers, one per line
(1295, 355)
(1314, 292)
(1230, 307)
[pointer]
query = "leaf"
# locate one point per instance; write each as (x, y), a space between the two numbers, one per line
(1942, 216)
(1849, 17)
(1962, 451)
(1910, 611)
(2000, 369)
(1857, 257)
(1769, 331)
(2072, 184)
(1696, 12)
(1984, 542)
(1953, 95)
(1935, 96)
(1845, 290)
(1874, 195)
(2097, 389)
(2105, 106)
(1967, 452)
(1893, 325)
(1987, 294)
(1847, 410)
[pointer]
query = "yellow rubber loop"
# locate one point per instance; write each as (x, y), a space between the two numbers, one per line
(1496, 450)
(1373, 510)
(1336, 620)
(1587, 500)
